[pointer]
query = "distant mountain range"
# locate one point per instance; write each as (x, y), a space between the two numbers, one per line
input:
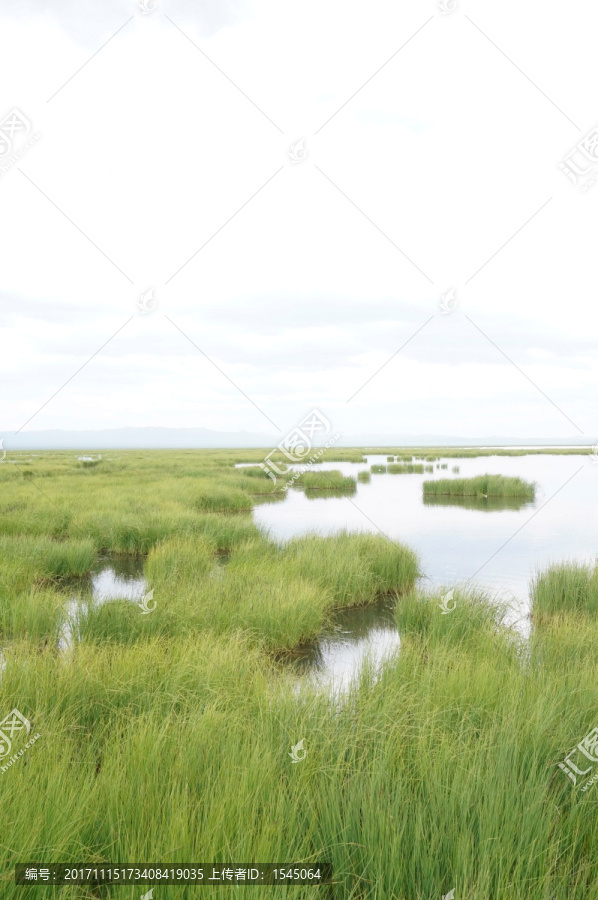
(154, 438)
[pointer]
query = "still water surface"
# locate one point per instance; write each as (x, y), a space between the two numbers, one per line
(111, 578)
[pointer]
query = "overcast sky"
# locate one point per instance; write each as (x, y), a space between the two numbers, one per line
(426, 161)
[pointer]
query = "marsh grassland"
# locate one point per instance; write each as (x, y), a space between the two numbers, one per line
(165, 737)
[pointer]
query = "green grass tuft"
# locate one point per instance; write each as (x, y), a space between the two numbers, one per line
(569, 588)
(406, 469)
(481, 486)
(326, 481)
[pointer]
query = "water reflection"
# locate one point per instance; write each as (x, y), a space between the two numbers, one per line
(334, 660)
(274, 497)
(330, 492)
(112, 578)
(484, 504)
(120, 578)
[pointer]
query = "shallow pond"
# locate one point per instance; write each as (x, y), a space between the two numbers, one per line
(490, 545)
(118, 578)
(364, 634)
(111, 578)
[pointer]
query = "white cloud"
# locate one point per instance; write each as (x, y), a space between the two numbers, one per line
(441, 172)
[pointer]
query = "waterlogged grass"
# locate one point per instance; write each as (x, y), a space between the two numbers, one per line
(180, 561)
(481, 486)
(226, 532)
(440, 773)
(251, 485)
(31, 571)
(210, 498)
(277, 597)
(569, 589)
(254, 472)
(326, 481)
(364, 477)
(272, 615)
(44, 557)
(377, 469)
(356, 568)
(406, 469)
(419, 615)
(35, 614)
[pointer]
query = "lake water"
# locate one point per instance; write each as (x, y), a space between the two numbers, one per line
(497, 549)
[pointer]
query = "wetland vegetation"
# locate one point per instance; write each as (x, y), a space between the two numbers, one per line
(481, 486)
(166, 736)
(329, 480)
(405, 469)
